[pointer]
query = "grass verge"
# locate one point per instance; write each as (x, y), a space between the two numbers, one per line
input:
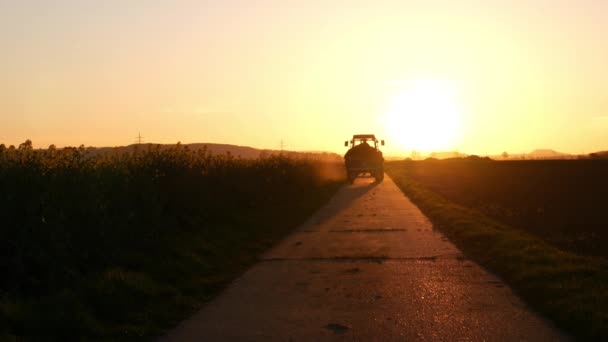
(570, 290)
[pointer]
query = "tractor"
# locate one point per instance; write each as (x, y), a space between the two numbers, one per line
(364, 157)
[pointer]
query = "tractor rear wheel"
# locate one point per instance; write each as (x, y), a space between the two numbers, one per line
(379, 175)
(351, 177)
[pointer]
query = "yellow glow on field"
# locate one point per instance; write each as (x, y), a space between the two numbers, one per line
(424, 115)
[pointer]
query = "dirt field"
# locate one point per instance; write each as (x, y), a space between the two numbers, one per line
(563, 201)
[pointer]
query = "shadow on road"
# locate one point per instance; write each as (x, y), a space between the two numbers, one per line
(344, 198)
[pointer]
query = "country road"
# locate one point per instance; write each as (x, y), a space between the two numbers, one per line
(368, 267)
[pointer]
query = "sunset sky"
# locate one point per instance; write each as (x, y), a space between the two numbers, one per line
(473, 76)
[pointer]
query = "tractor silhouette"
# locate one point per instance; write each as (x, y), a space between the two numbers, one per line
(364, 157)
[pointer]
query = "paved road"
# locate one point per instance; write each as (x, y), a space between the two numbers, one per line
(368, 267)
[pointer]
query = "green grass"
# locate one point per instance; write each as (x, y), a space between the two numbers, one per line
(570, 290)
(126, 245)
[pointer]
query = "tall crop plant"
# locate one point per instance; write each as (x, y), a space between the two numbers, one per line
(67, 215)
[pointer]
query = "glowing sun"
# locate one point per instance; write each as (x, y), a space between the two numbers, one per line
(424, 115)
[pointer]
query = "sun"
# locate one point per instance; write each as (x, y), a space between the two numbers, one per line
(424, 115)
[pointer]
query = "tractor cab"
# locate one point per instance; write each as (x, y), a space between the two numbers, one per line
(358, 139)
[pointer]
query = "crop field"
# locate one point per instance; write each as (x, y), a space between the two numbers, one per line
(564, 202)
(123, 245)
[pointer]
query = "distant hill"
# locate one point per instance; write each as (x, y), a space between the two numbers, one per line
(536, 154)
(546, 154)
(599, 155)
(244, 152)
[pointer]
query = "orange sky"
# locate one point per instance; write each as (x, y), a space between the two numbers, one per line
(476, 76)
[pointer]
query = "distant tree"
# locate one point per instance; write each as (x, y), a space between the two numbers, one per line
(2, 147)
(52, 147)
(26, 146)
(505, 155)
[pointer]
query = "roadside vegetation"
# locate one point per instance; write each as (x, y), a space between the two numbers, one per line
(123, 245)
(539, 225)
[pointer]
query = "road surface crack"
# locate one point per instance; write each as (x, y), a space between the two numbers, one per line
(375, 230)
(377, 259)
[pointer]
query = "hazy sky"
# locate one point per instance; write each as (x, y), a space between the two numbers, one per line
(519, 75)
